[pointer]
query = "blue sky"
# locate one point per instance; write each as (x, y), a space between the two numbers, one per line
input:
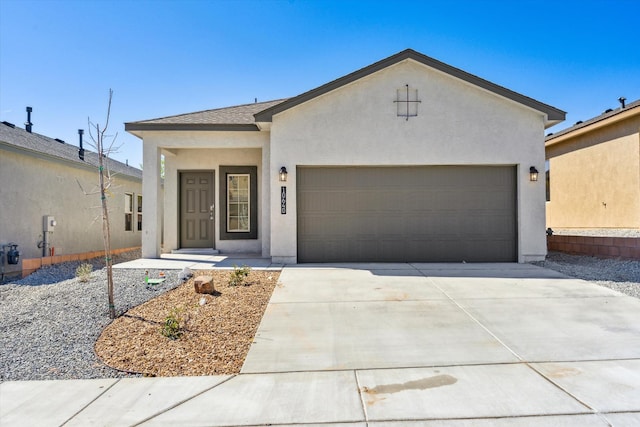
(172, 57)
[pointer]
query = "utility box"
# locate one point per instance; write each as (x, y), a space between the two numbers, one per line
(48, 223)
(10, 261)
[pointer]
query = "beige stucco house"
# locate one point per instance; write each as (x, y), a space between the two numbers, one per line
(44, 210)
(594, 172)
(408, 159)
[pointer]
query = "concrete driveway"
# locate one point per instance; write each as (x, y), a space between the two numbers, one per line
(383, 345)
(441, 341)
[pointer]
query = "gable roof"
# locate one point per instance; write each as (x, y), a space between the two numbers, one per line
(16, 138)
(609, 116)
(554, 115)
(246, 117)
(239, 117)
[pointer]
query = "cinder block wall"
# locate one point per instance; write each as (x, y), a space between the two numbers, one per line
(604, 247)
(32, 264)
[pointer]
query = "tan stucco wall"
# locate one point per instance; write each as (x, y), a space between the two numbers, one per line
(595, 178)
(457, 124)
(33, 187)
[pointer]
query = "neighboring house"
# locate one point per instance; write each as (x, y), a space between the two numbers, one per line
(408, 159)
(41, 177)
(594, 172)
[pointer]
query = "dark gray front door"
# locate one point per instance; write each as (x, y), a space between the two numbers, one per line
(196, 210)
(405, 214)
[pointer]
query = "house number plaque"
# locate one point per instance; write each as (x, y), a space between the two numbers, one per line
(283, 200)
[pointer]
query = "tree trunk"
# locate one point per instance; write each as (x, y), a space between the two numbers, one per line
(106, 234)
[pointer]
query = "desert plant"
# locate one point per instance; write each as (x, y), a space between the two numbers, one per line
(238, 275)
(171, 327)
(83, 272)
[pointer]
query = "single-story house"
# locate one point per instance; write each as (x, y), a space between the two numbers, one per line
(407, 159)
(593, 171)
(46, 213)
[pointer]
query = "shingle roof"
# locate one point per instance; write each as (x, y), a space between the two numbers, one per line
(40, 144)
(246, 117)
(239, 117)
(604, 116)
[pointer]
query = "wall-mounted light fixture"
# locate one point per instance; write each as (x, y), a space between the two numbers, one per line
(533, 174)
(283, 174)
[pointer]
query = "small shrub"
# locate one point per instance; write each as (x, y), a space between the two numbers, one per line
(83, 272)
(171, 326)
(238, 275)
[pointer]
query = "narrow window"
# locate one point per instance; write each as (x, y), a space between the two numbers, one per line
(128, 212)
(238, 205)
(139, 213)
(547, 181)
(238, 202)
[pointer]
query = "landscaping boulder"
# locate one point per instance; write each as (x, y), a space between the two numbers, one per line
(204, 285)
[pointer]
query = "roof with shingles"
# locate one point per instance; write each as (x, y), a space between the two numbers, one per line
(35, 143)
(237, 117)
(246, 117)
(604, 116)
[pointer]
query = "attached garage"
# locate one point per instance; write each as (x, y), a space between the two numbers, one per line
(407, 214)
(408, 159)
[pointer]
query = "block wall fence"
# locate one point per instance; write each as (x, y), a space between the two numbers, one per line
(32, 264)
(603, 247)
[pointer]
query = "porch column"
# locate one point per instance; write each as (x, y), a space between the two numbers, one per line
(151, 201)
(265, 228)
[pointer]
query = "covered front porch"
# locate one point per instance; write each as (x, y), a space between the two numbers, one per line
(214, 198)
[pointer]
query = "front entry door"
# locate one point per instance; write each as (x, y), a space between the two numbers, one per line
(196, 210)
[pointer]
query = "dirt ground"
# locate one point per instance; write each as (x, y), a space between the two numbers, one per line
(217, 330)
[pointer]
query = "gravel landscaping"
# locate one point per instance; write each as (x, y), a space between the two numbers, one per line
(617, 274)
(50, 321)
(598, 232)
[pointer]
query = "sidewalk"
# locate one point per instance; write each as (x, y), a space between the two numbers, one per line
(389, 345)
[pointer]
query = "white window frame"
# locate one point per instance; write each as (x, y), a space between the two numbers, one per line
(238, 204)
(128, 211)
(139, 213)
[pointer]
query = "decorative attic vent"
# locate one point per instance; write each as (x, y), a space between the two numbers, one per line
(407, 102)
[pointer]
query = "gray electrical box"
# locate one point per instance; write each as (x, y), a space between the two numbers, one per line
(48, 223)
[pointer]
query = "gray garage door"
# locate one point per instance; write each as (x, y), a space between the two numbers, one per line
(407, 214)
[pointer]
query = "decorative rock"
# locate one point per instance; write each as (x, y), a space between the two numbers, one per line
(204, 285)
(185, 274)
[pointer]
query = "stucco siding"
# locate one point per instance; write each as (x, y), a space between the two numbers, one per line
(457, 124)
(195, 150)
(595, 180)
(208, 160)
(33, 187)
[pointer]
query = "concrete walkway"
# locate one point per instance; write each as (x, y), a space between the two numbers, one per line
(199, 261)
(388, 345)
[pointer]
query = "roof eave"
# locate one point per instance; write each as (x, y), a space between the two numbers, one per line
(134, 127)
(594, 123)
(63, 160)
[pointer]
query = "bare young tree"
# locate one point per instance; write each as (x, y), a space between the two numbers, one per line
(98, 136)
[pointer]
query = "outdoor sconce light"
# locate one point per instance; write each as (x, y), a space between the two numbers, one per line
(533, 174)
(283, 174)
